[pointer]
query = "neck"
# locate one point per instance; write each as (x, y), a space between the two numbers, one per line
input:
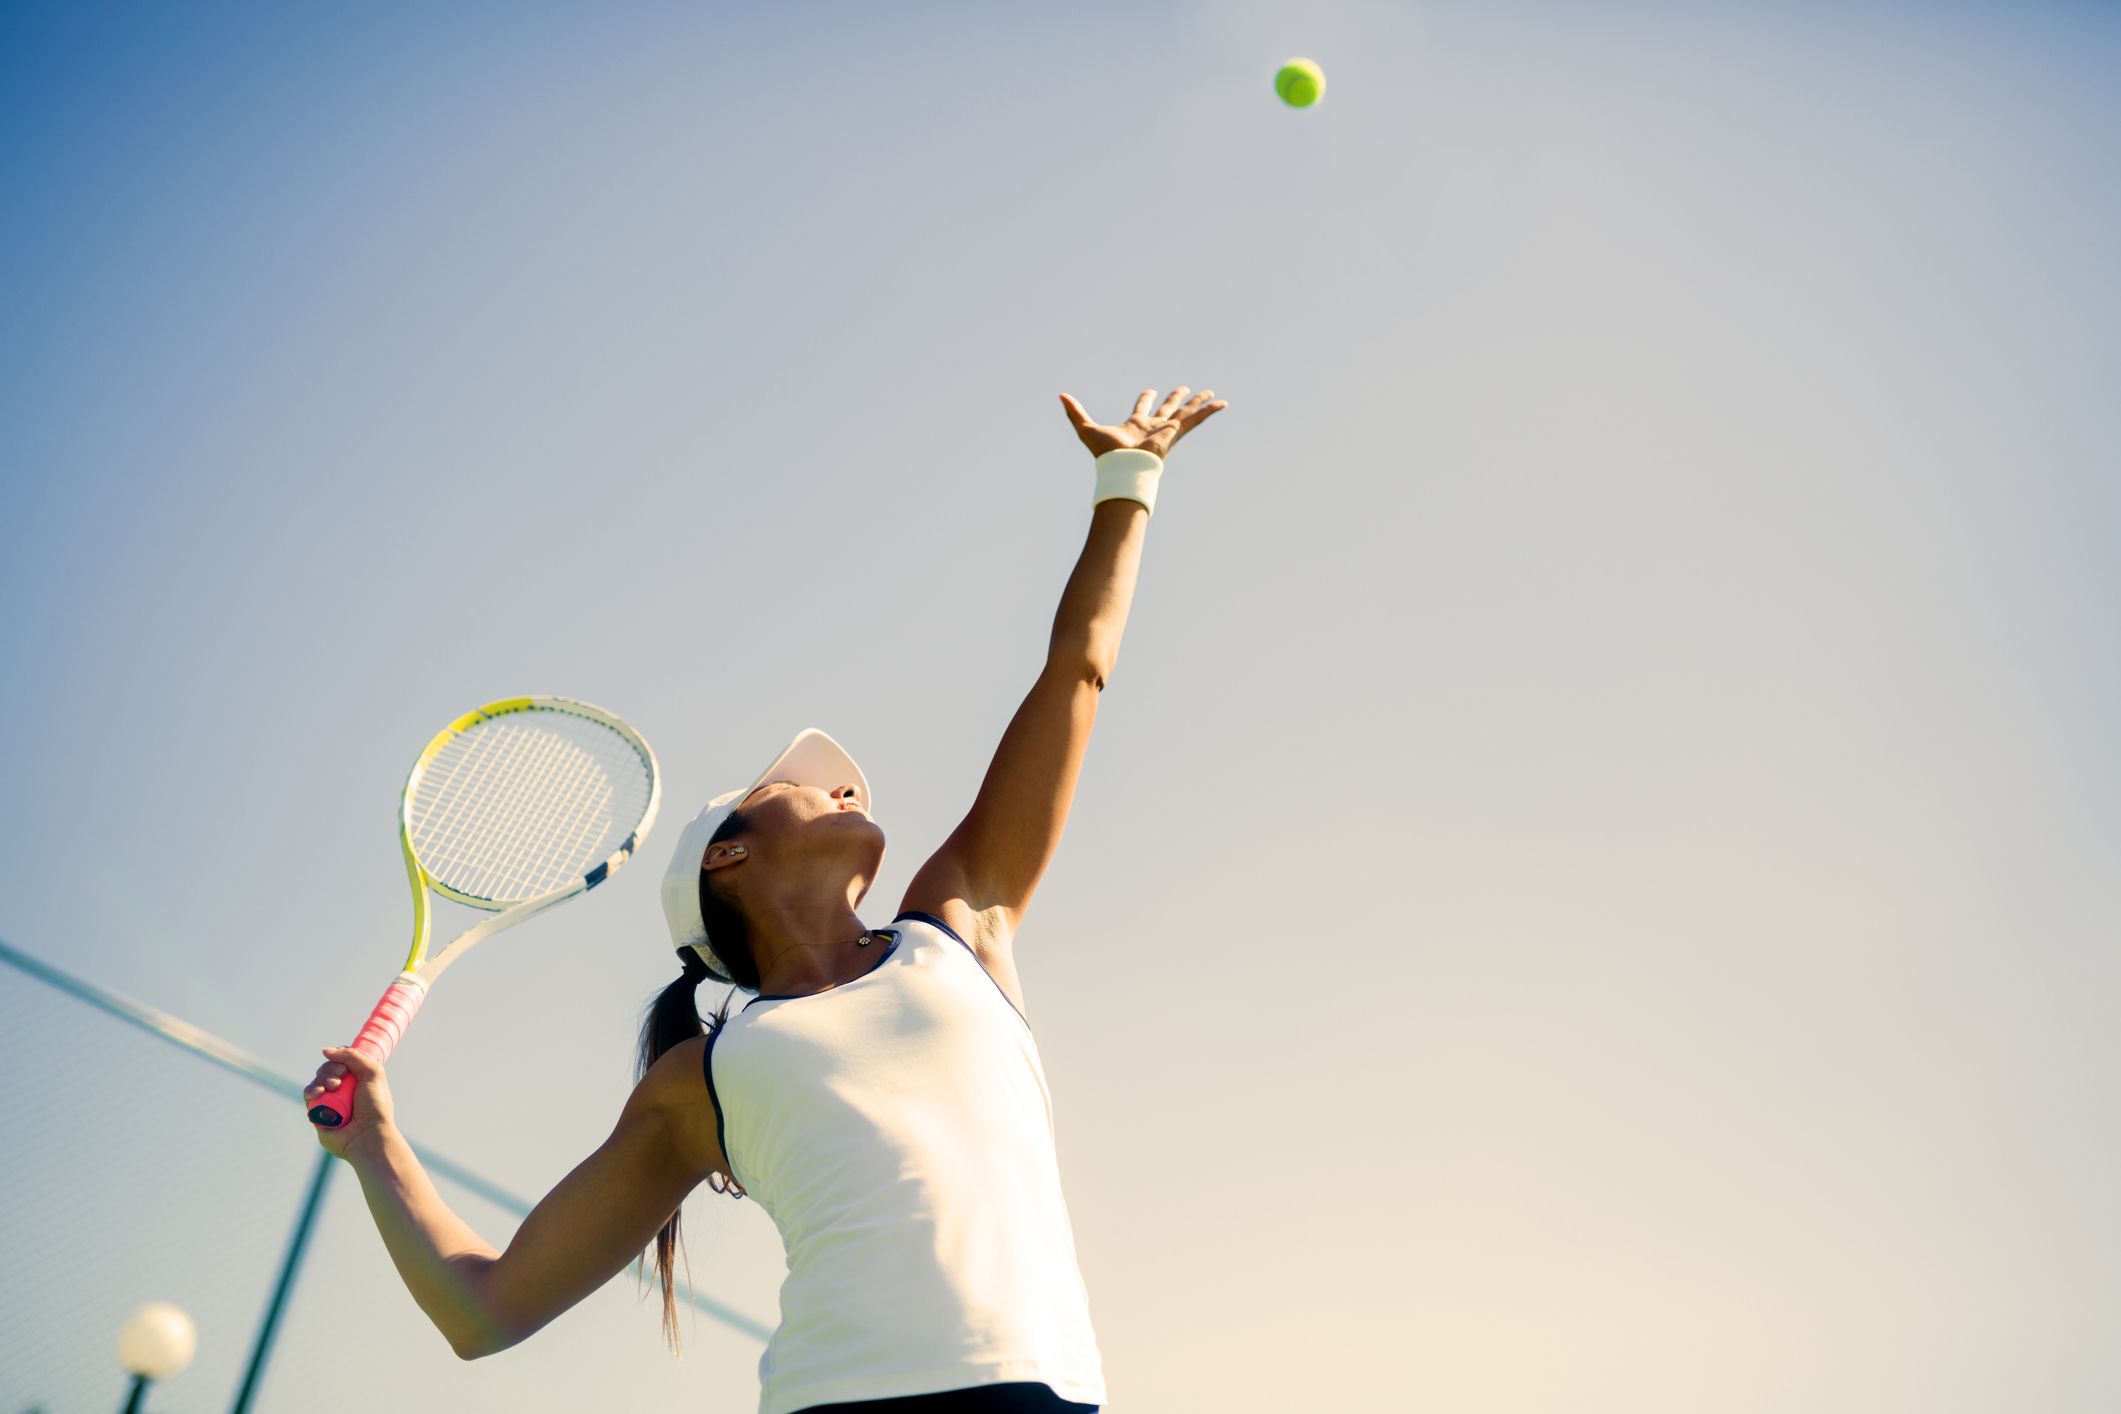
(803, 949)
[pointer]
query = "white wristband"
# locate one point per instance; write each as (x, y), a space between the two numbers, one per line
(1127, 473)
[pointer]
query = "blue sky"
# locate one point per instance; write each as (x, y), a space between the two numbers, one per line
(1593, 885)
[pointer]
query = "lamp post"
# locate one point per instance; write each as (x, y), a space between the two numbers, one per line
(156, 1343)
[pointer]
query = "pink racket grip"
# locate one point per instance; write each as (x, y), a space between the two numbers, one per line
(386, 1025)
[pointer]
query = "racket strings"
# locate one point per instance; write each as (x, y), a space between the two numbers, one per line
(454, 808)
(505, 828)
(470, 800)
(516, 806)
(549, 824)
(461, 802)
(582, 794)
(559, 810)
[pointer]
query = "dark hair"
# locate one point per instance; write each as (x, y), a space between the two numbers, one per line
(725, 922)
(673, 1018)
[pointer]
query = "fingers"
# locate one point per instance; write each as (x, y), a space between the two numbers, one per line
(1180, 408)
(1198, 411)
(356, 1061)
(1179, 412)
(328, 1077)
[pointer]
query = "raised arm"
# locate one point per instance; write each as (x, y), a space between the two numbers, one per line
(596, 1220)
(984, 874)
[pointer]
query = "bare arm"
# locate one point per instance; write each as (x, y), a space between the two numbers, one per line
(995, 858)
(993, 861)
(1092, 617)
(440, 1258)
(596, 1220)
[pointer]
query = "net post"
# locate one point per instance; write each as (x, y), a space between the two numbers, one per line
(263, 1346)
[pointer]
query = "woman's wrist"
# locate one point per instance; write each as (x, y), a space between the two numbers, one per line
(371, 1147)
(1127, 473)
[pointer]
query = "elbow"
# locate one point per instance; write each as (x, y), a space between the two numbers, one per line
(1103, 658)
(479, 1350)
(1092, 668)
(488, 1339)
(1089, 656)
(477, 1322)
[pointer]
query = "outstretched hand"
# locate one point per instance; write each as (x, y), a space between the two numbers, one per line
(1151, 431)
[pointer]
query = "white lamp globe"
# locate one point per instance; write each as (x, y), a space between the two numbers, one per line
(158, 1341)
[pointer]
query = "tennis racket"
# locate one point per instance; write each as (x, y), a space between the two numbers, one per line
(512, 808)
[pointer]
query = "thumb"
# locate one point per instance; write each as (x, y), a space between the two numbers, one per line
(358, 1063)
(1075, 411)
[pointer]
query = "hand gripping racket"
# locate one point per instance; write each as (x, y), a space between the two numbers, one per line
(512, 808)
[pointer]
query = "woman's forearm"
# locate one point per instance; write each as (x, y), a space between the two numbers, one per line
(441, 1259)
(1093, 608)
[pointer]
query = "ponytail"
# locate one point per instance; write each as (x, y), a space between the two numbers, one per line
(673, 1018)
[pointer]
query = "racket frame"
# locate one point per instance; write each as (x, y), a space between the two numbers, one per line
(401, 1000)
(508, 912)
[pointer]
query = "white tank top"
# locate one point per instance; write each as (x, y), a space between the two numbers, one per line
(898, 1130)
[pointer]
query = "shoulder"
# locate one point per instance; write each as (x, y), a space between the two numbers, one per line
(986, 933)
(674, 1096)
(665, 1082)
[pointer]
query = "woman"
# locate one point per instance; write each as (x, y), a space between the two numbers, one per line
(881, 1095)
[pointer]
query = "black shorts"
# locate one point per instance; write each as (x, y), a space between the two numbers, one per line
(1016, 1397)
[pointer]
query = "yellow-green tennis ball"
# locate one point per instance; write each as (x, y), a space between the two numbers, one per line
(1300, 83)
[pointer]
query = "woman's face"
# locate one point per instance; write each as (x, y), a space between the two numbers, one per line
(791, 822)
(801, 838)
(787, 800)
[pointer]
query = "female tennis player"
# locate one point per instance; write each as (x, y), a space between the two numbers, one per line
(880, 1095)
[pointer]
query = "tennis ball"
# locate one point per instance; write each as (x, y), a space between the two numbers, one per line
(1300, 83)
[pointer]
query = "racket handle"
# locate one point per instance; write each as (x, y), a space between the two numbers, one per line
(386, 1024)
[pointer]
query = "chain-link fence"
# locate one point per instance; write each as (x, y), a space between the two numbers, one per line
(140, 1162)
